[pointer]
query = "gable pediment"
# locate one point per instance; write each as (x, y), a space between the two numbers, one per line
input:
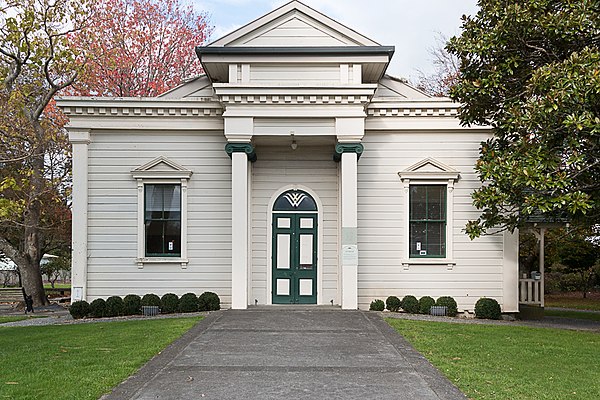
(198, 87)
(163, 168)
(391, 88)
(294, 29)
(429, 168)
(294, 24)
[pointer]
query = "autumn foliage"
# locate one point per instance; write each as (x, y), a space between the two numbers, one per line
(36, 63)
(139, 47)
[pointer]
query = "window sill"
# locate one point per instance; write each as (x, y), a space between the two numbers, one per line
(429, 261)
(162, 260)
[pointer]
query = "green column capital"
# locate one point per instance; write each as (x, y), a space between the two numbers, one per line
(247, 148)
(341, 148)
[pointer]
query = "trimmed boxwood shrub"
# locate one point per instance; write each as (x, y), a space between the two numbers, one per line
(377, 305)
(425, 304)
(98, 308)
(169, 303)
(487, 308)
(133, 304)
(410, 304)
(79, 309)
(114, 306)
(188, 303)
(393, 303)
(209, 301)
(450, 303)
(150, 300)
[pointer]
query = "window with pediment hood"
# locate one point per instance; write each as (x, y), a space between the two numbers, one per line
(429, 188)
(162, 211)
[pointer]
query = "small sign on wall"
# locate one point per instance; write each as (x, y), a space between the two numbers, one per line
(349, 254)
(77, 293)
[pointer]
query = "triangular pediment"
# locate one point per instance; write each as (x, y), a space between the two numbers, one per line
(294, 24)
(198, 87)
(429, 168)
(391, 88)
(161, 167)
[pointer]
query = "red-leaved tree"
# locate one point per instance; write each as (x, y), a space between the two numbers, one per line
(140, 47)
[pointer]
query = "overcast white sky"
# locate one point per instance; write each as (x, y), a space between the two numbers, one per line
(409, 25)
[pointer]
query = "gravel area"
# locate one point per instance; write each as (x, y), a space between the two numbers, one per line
(58, 315)
(572, 309)
(547, 322)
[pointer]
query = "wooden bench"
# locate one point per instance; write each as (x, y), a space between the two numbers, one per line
(16, 294)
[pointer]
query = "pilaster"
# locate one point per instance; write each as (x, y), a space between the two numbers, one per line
(510, 272)
(80, 139)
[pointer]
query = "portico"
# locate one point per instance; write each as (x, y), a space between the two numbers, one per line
(258, 222)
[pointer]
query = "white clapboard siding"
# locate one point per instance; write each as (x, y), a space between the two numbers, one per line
(280, 166)
(112, 245)
(381, 219)
(294, 74)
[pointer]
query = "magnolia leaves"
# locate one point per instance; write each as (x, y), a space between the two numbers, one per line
(531, 71)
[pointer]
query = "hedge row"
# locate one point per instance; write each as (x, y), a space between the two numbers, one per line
(484, 308)
(132, 305)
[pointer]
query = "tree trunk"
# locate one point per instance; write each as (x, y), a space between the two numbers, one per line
(33, 284)
(32, 241)
(30, 275)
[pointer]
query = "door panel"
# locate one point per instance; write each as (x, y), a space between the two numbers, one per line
(283, 250)
(294, 258)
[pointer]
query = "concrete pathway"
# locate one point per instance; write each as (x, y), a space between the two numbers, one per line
(279, 354)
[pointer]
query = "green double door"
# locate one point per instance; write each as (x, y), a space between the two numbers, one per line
(294, 260)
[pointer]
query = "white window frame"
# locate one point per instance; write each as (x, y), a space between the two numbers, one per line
(174, 175)
(442, 175)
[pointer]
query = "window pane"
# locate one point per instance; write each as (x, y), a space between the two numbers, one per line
(172, 237)
(172, 201)
(154, 237)
(436, 239)
(418, 234)
(436, 202)
(154, 201)
(418, 202)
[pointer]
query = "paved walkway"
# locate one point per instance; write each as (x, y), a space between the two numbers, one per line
(277, 354)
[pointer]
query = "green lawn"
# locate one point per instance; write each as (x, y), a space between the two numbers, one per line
(14, 318)
(58, 286)
(509, 362)
(572, 314)
(79, 361)
(573, 300)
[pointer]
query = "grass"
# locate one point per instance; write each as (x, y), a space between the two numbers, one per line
(573, 300)
(80, 361)
(572, 314)
(509, 362)
(15, 318)
(58, 286)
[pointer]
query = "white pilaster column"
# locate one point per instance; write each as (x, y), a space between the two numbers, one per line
(241, 154)
(510, 272)
(348, 155)
(80, 140)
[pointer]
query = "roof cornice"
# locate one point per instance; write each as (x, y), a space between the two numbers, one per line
(137, 107)
(300, 51)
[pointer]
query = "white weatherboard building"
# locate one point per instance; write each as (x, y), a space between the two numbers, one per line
(294, 171)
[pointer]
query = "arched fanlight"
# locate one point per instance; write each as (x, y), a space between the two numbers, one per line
(295, 200)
